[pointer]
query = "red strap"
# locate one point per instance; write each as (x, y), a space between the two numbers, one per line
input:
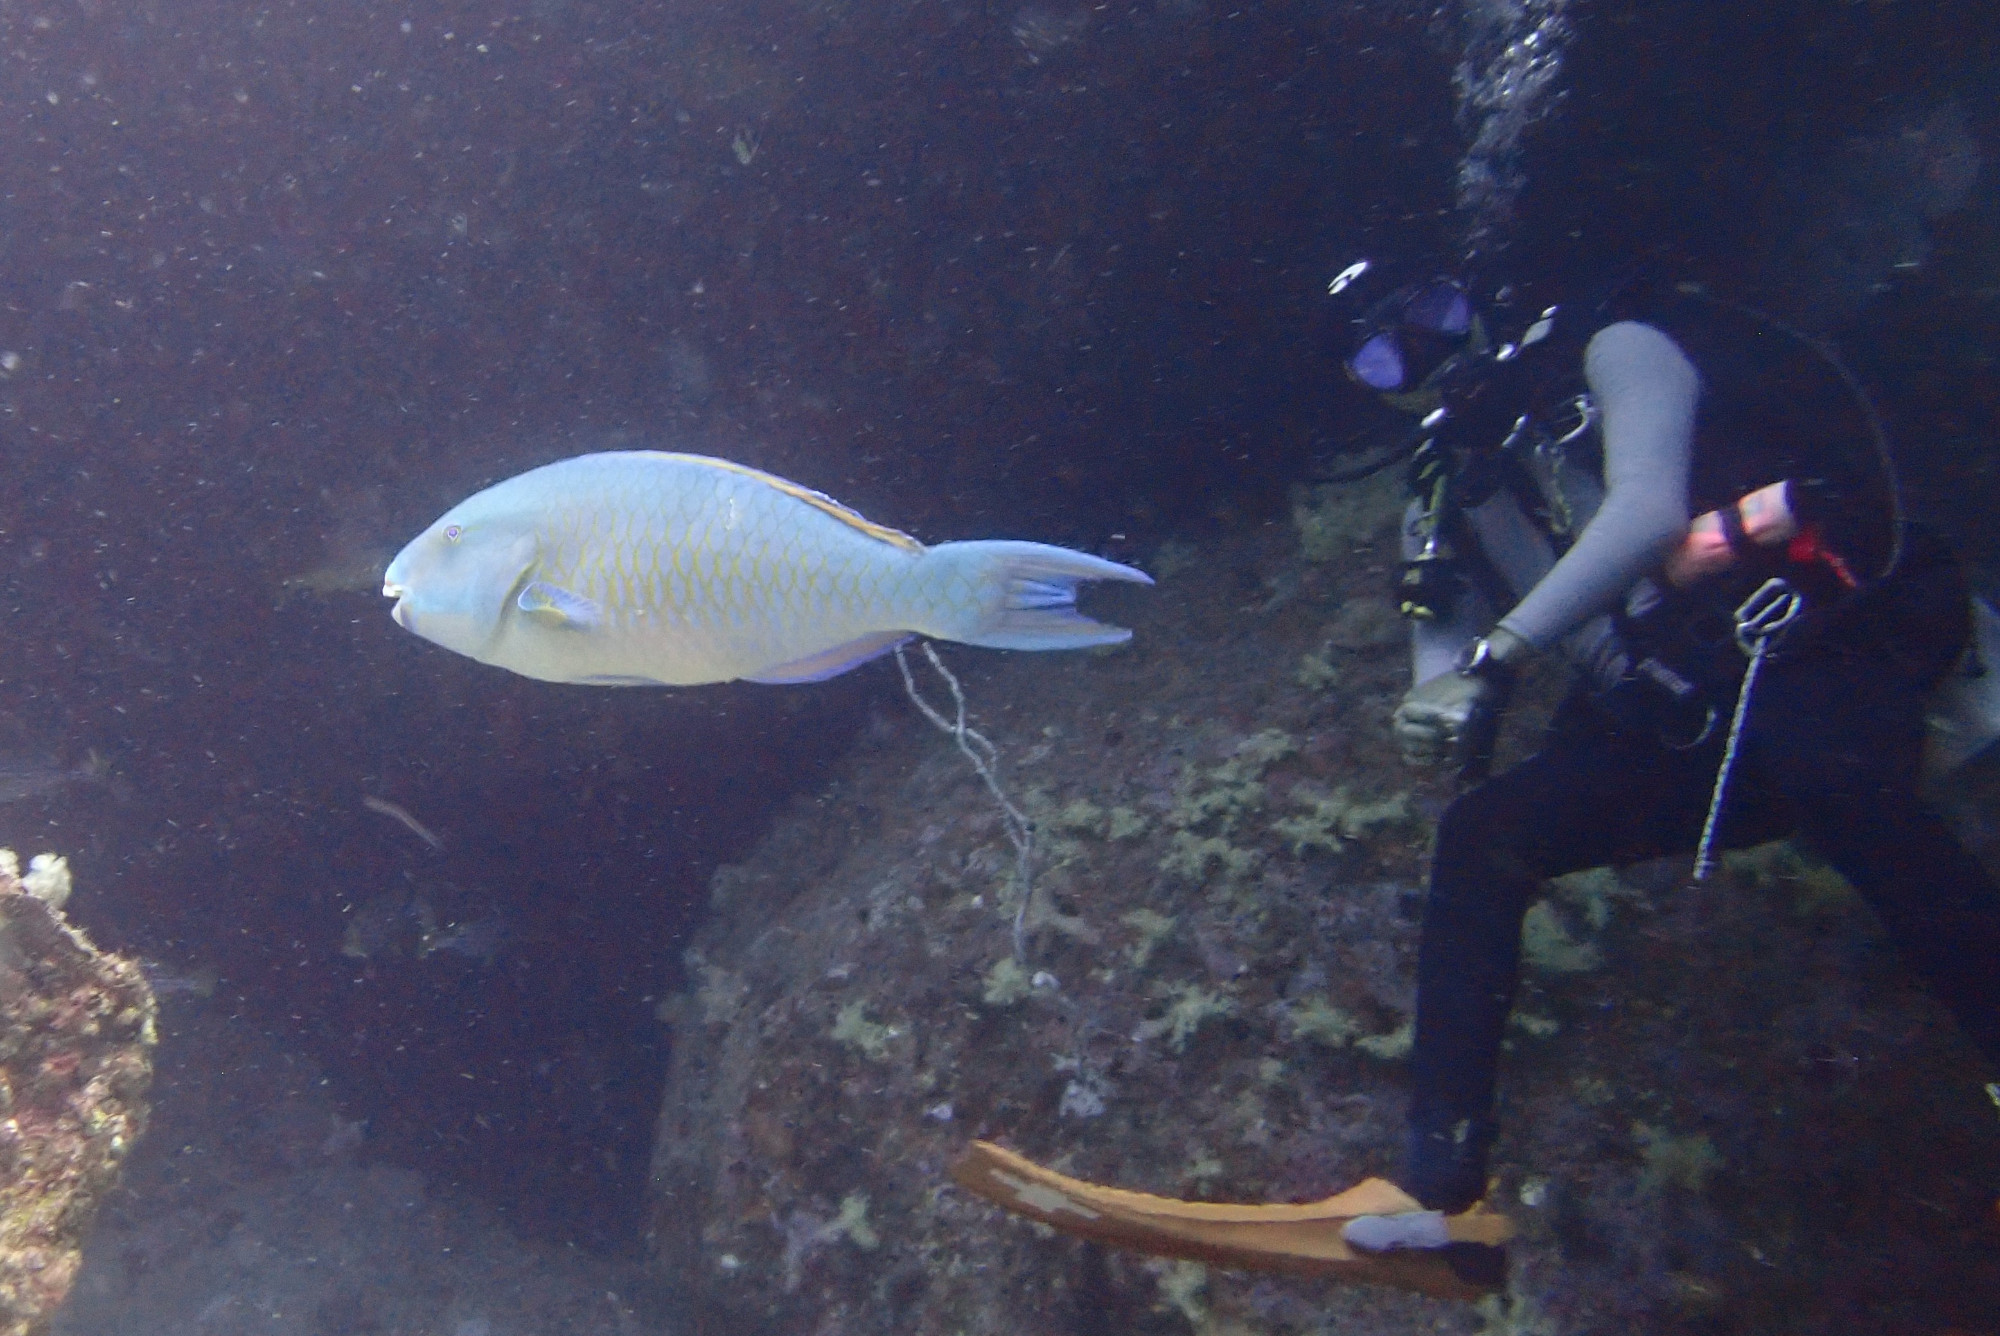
(1809, 548)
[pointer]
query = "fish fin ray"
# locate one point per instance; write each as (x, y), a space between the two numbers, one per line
(552, 605)
(1036, 607)
(1028, 593)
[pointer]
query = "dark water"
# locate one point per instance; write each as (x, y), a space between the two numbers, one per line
(282, 281)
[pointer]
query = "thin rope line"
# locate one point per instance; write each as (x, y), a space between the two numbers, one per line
(1760, 620)
(1704, 858)
(985, 759)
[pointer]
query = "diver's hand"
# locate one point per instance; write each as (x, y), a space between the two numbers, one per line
(1431, 721)
(1436, 716)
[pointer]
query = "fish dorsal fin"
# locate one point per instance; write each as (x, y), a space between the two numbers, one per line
(817, 500)
(552, 605)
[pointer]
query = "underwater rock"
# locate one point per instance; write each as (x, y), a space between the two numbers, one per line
(1214, 1001)
(877, 1018)
(76, 1057)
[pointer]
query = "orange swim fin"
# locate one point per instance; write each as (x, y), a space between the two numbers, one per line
(1302, 1239)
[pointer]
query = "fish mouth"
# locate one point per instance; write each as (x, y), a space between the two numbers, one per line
(391, 589)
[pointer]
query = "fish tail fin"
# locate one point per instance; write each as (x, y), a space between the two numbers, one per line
(1011, 595)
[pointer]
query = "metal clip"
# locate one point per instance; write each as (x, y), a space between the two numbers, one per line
(1586, 417)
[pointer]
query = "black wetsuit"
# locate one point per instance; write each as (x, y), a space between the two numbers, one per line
(1830, 752)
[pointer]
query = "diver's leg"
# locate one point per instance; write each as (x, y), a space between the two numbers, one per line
(1587, 799)
(1841, 733)
(1843, 741)
(1939, 905)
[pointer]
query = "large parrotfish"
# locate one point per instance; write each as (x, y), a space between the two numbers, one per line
(646, 568)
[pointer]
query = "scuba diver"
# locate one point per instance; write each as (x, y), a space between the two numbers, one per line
(1694, 506)
(1755, 633)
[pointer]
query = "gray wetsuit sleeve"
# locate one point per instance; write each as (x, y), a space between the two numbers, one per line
(1645, 390)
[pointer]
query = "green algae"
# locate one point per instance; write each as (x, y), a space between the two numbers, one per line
(1192, 1007)
(852, 1027)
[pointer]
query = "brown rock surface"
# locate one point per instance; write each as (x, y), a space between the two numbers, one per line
(76, 1044)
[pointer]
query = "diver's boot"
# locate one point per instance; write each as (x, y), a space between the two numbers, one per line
(1304, 1238)
(1444, 1172)
(1481, 1262)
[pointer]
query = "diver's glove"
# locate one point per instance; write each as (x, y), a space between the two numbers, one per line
(1453, 717)
(1432, 717)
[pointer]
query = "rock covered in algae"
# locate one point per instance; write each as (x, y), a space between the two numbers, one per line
(1702, 1080)
(76, 1057)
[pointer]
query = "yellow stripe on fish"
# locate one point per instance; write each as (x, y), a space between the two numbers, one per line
(645, 567)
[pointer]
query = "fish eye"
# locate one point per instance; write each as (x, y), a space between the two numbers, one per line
(452, 532)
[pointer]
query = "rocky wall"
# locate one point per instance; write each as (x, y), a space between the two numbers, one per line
(76, 1057)
(1728, 1108)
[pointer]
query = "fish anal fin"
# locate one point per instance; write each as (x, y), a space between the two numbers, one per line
(831, 662)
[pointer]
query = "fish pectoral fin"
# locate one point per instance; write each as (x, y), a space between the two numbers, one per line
(831, 662)
(552, 605)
